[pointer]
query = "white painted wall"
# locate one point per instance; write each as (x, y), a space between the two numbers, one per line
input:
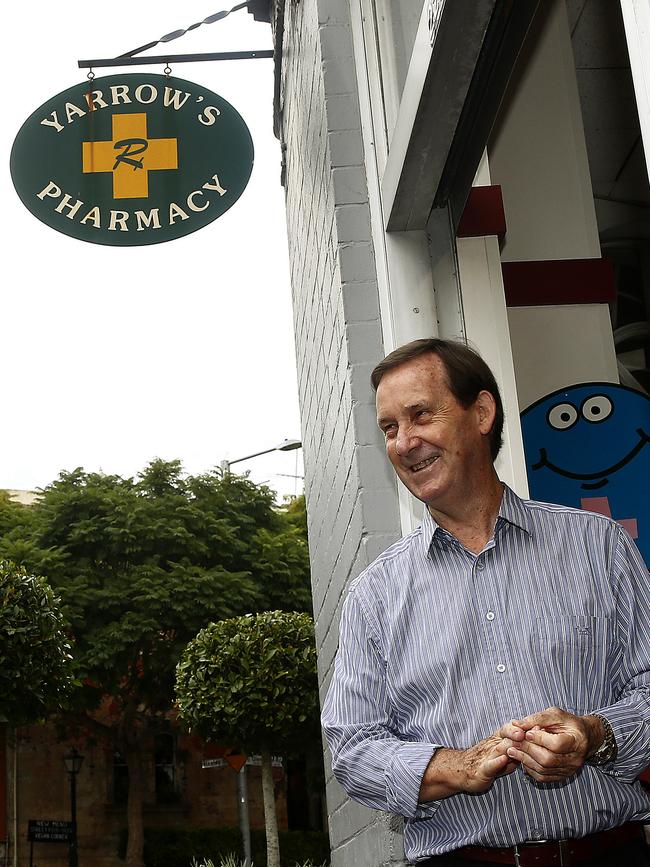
(560, 346)
(538, 155)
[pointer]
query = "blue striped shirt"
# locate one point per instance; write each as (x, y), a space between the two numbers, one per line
(440, 647)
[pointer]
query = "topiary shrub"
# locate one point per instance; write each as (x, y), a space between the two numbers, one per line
(35, 659)
(251, 681)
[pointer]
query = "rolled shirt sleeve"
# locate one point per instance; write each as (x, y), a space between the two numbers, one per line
(629, 717)
(370, 761)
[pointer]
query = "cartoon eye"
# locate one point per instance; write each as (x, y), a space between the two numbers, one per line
(562, 416)
(597, 408)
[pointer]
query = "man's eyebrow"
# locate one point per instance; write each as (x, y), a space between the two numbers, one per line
(412, 407)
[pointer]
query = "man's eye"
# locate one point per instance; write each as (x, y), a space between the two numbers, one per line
(389, 430)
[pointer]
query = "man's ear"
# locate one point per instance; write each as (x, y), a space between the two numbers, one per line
(487, 410)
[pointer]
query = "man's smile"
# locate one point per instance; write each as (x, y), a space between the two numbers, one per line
(424, 464)
(601, 474)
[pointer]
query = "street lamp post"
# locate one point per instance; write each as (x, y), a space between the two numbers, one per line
(73, 762)
(284, 446)
(242, 777)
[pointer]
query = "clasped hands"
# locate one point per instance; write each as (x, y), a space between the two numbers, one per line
(551, 746)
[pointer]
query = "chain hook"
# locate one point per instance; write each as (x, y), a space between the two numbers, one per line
(90, 75)
(167, 70)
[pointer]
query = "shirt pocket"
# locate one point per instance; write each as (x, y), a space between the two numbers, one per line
(573, 660)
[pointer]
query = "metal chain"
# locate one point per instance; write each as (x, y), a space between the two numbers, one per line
(175, 34)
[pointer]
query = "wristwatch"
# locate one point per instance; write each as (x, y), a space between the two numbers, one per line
(608, 750)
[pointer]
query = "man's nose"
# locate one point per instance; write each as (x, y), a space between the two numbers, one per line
(405, 441)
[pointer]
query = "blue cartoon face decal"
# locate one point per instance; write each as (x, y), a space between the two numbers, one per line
(588, 446)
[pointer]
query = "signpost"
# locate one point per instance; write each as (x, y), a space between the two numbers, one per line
(132, 159)
(47, 831)
(238, 763)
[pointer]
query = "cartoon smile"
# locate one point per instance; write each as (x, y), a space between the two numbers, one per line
(601, 474)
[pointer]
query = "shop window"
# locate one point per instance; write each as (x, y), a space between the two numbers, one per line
(164, 785)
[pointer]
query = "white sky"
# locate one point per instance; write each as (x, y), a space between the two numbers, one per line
(113, 356)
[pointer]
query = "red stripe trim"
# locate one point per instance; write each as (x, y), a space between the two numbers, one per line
(568, 281)
(483, 214)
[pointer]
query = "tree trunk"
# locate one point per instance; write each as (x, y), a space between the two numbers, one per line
(134, 850)
(270, 814)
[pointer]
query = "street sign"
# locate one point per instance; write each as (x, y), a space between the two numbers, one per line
(48, 831)
(237, 762)
(256, 761)
(213, 763)
(132, 159)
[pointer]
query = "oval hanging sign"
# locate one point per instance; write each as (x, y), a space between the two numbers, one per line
(132, 159)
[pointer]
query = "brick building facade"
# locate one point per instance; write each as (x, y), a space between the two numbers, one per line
(179, 792)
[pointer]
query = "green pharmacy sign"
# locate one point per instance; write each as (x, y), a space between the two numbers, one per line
(132, 159)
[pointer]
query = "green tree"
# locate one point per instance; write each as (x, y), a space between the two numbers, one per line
(141, 565)
(16, 525)
(251, 681)
(35, 660)
(284, 553)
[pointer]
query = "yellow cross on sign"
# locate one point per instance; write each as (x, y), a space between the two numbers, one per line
(130, 156)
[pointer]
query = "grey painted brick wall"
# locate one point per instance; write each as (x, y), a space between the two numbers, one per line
(350, 489)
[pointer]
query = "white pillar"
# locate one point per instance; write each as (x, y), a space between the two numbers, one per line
(539, 157)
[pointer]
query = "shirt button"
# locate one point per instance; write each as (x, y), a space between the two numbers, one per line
(501, 668)
(536, 834)
(490, 615)
(480, 564)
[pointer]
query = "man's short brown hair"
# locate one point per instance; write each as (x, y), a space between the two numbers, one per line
(467, 375)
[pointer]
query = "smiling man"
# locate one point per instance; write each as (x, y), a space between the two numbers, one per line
(492, 683)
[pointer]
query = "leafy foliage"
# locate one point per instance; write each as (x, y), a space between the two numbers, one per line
(285, 554)
(141, 565)
(172, 846)
(251, 680)
(232, 861)
(16, 523)
(35, 660)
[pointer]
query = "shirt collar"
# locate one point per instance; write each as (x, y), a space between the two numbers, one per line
(429, 528)
(512, 511)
